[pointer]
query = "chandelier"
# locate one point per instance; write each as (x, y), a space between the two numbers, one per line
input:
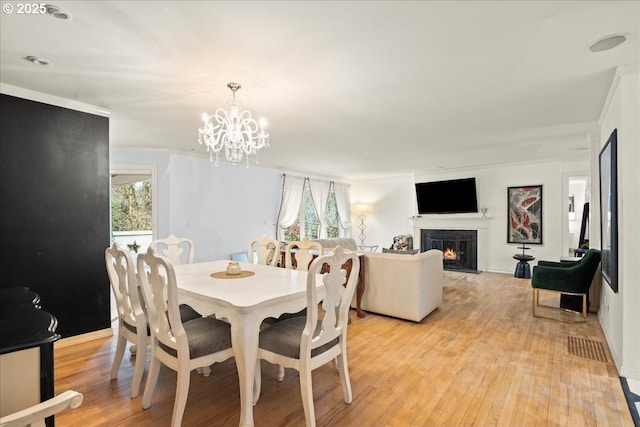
(234, 130)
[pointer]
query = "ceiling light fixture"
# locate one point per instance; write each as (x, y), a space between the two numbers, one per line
(56, 12)
(36, 60)
(234, 130)
(608, 42)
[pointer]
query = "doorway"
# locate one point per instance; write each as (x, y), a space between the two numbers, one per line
(133, 210)
(577, 197)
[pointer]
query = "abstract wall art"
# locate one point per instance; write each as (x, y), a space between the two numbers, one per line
(524, 217)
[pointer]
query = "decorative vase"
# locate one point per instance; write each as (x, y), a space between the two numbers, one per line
(233, 268)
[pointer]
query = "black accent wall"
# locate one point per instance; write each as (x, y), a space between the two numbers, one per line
(54, 210)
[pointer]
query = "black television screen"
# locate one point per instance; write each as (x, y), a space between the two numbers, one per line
(443, 197)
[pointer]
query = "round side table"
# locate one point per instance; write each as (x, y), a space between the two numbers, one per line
(523, 269)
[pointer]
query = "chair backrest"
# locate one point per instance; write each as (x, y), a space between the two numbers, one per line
(38, 412)
(264, 250)
(335, 305)
(588, 266)
(122, 275)
(158, 279)
(179, 250)
(306, 250)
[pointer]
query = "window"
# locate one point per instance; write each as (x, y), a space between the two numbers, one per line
(308, 222)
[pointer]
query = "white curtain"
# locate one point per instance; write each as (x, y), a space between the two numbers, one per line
(343, 204)
(320, 195)
(292, 188)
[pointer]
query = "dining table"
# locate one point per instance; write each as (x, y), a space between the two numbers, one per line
(244, 300)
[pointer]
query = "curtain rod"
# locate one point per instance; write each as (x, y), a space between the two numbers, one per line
(317, 179)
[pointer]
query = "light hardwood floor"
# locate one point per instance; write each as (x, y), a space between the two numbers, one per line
(481, 359)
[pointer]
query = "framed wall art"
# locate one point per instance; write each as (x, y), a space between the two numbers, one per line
(609, 210)
(524, 217)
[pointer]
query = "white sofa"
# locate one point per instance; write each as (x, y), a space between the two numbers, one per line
(346, 243)
(404, 286)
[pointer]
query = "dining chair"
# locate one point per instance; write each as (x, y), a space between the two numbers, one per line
(306, 343)
(298, 260)
(132, 323)
(303, 254)
(181, 346)
(40, 411)
(179, 250)
(264, 250)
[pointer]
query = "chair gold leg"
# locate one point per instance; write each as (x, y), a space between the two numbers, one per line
(536, 303)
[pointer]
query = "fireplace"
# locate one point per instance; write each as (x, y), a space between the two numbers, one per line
(459, 247)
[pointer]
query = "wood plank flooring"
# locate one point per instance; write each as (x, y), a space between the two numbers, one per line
(481, 359)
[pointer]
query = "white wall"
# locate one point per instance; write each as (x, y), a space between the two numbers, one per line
(220, 208)
(619, 314)
(392, 203)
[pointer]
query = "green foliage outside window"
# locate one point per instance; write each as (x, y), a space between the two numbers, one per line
(131, 206)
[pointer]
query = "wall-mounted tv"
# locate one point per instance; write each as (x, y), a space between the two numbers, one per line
(446, 197)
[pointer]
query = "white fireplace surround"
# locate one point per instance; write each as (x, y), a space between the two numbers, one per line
(455, 222)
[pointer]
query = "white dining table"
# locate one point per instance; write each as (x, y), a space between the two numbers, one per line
(244, 302)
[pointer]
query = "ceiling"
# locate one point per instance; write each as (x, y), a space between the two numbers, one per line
(353, 89)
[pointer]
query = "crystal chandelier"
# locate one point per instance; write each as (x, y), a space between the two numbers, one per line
(234, 130)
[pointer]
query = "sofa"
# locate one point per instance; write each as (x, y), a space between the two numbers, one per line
(403, 286)
(346, 243)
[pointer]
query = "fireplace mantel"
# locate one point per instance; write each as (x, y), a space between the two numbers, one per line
(456, 222)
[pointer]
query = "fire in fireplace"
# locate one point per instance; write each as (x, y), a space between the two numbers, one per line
(459, 247)
(450, 254)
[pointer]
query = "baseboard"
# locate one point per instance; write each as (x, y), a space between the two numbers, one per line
(79, 339)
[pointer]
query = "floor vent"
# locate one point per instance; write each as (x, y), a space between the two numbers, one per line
(588, 349)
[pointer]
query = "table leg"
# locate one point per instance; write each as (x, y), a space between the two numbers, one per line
(244, 338)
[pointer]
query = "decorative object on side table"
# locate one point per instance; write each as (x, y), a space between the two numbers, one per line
(402, 244)
(524, 208)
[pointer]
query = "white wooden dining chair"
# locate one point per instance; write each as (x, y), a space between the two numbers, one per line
(180, 346)
(39, 412)
(264, 250)
(179, 250)
(306, 343)
(305, 251)
(132, 322)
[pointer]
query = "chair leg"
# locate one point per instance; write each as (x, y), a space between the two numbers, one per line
(536, 304)
(306, 389)
(182, 391)
(152, 379)
(138, 370)
(343, 370)
(117, 357)
(280, 374)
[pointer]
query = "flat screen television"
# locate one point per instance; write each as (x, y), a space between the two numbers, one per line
(447, 197)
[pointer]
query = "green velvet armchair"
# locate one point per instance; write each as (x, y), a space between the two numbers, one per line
(569, 278)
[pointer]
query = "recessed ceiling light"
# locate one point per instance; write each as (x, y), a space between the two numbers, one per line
(36, 60)
(608, 42)
(56, 12)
